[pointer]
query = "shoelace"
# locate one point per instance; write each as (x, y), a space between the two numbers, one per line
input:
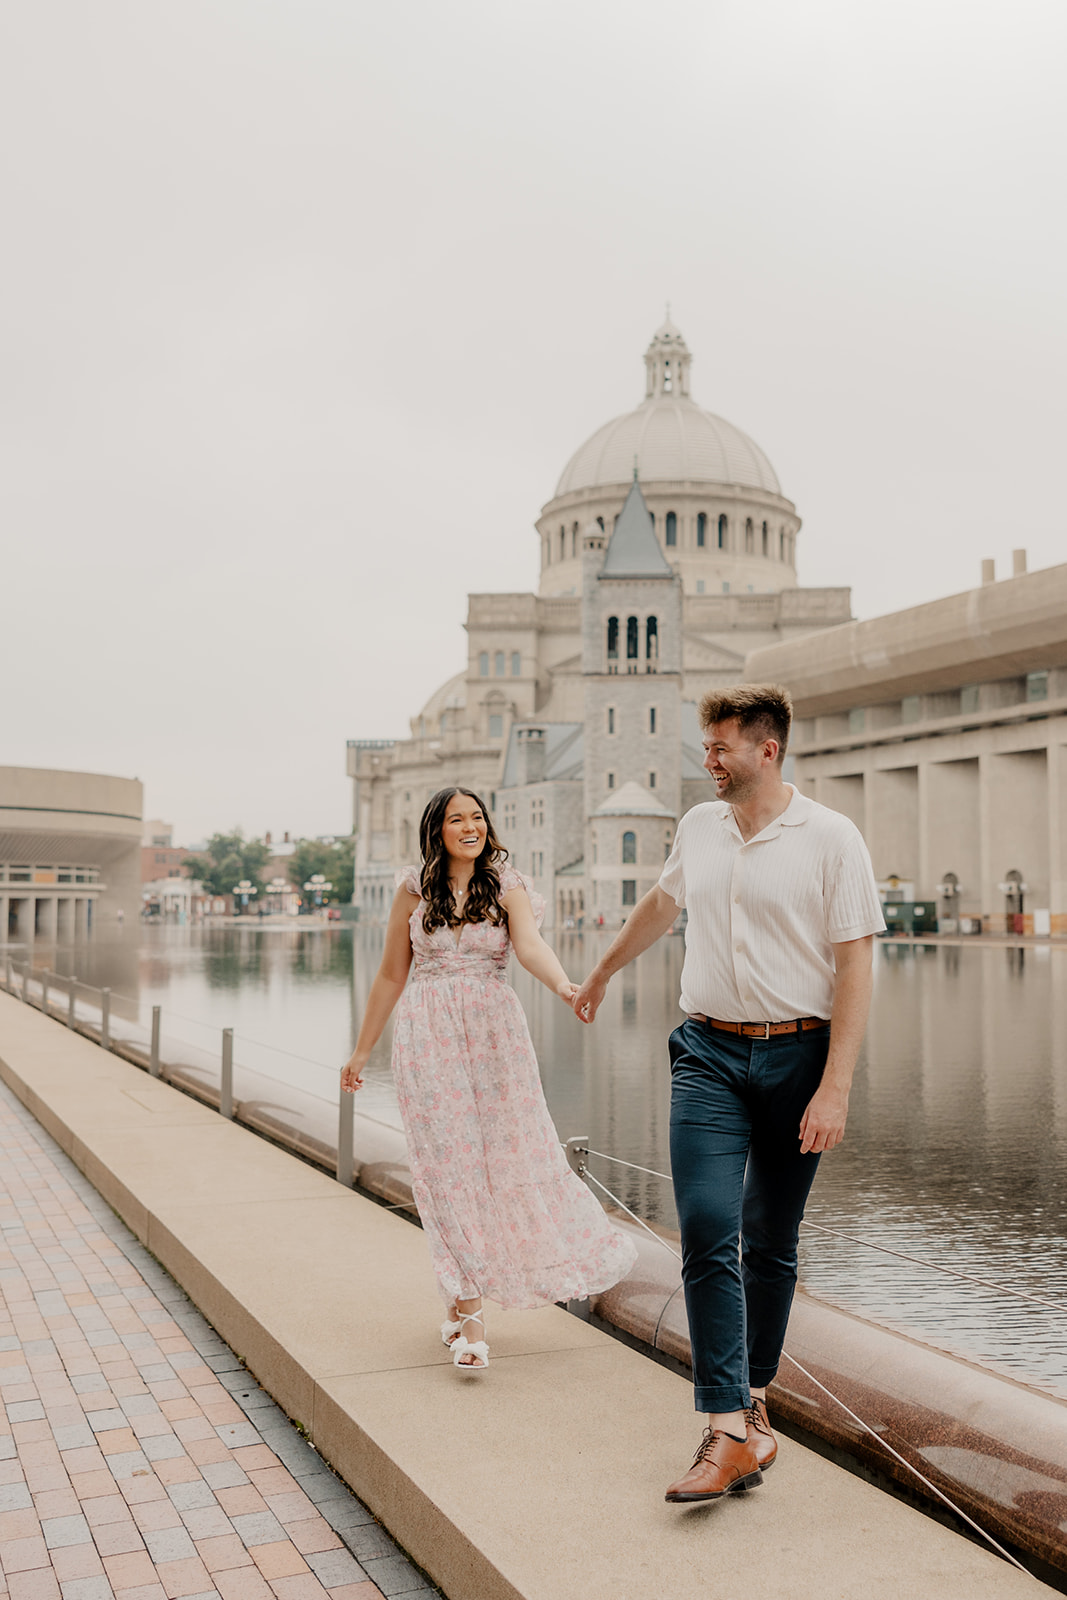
(704, 1448)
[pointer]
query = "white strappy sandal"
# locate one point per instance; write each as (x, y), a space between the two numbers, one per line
(450, 1331)
(463, 1346)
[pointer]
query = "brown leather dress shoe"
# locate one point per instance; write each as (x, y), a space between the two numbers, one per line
(759, 1433)
(722, 1465)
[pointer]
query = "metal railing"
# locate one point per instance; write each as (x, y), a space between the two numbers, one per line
(17, 979)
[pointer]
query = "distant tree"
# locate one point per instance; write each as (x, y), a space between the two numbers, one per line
(335, 861)
(229, 858)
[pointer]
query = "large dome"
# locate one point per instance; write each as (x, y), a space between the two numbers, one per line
(669, 437)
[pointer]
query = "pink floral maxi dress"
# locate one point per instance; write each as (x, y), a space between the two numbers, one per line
(503, 1213)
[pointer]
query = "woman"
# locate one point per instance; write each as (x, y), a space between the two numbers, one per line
(504, 1214)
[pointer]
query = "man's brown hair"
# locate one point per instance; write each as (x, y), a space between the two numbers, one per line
(761, 710)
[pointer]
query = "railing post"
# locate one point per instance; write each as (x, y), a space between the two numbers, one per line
(226, 1080)
(9, 975)
(71, 1017)
(26, 983)
(345, 1140)
(44, 991)
(105, 1019)
(153, 1061)
(576, 1151)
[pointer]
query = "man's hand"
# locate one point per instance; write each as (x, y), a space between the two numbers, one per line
(823, 1124)
(587, 1000)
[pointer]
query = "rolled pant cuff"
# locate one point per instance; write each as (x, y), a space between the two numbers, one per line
(709, 1401)
(762, 1376)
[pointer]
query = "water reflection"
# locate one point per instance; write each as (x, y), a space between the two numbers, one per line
(957, 1142)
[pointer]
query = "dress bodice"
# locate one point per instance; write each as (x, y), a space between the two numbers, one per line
(481, 949)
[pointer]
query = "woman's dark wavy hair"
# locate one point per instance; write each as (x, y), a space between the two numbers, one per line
(483, 896)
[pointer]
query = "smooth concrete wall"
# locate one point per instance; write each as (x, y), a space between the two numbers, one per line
(949, 829)
(893, 822)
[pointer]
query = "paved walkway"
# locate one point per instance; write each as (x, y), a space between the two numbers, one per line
(138, 1458)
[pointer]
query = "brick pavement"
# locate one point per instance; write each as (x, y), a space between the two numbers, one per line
(138, 1458)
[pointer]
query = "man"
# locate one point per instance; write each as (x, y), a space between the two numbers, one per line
(782, 909)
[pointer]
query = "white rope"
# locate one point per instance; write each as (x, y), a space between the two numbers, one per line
(632, 1214)
(901, 1255)
(906, 1463)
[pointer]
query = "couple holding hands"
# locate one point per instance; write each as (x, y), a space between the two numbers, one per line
(782, 906)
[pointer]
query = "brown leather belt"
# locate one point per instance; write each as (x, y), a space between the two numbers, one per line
(761, 1030)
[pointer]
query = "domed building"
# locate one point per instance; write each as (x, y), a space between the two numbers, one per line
(668, 553)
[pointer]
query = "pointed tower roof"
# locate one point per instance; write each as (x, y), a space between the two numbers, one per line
(634, 551)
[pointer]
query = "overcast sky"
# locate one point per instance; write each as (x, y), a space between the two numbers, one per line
(306, 303)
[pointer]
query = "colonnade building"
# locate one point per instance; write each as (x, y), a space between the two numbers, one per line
(941, 731)
(70, 852)
(667, 554)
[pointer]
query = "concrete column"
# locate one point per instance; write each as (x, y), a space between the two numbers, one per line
(1057, 843)
(949, 830)
(48, 920)
(25, 918)
(4, 914)
(65, 918)
(81, 916)
(893, 822)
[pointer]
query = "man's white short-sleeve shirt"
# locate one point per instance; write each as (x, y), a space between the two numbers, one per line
(763, 915)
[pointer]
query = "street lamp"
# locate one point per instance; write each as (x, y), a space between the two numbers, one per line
(245, 889)
(318, 885)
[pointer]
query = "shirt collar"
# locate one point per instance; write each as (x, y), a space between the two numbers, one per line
(796, 812)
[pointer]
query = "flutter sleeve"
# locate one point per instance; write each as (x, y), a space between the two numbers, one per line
(512, 878)
(408, 878)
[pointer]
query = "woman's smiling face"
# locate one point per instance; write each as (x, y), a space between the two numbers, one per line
(463, 830)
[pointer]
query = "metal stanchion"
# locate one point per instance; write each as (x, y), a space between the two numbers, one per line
(345, 1138)
(71, 1001)
(153, 1062)
(226, 1081)
(105, 1019)
(9, 976)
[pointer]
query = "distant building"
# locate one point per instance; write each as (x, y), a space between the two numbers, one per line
(667, 553)
(70, 852)
(941, 731)
(160, 857)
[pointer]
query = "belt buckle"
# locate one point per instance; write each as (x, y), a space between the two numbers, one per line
(766, 1030)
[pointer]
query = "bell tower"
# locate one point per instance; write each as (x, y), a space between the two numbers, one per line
(667, 363)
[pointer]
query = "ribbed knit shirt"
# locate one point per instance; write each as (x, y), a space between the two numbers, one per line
(764, 915)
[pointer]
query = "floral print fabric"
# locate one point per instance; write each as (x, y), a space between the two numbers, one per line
(503, 1213)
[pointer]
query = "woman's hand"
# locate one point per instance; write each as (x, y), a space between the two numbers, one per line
(567, 991)
(351, 1077)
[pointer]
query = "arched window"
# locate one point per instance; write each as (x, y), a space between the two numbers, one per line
(498, 664)
(671, 534)
(600, 523)
(562, 543)
(613, 638)
(722, 531)
(516, 664)
(629, 849)
(651, 719)
(574, 540)
(483, 664)
(631, 638)
(766, 546)
(702, 529)
(651, 640)
(750, 537)
(611, 719)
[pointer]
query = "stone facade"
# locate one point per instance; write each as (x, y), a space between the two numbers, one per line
(70, 852)
(941, 731)
(715, 571)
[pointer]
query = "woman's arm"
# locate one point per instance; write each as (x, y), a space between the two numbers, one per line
(386, 989)
(532, 951)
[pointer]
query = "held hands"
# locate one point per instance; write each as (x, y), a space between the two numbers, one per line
(351, 1078)
(823, 1124)
(567, 991)
(587, 1000)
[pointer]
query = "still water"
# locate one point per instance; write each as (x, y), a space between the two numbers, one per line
(956, 1149)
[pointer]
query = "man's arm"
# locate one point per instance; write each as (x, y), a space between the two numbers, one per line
(651, 917)
(823, 1124)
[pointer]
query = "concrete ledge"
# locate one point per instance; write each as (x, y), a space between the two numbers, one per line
(542, 1479)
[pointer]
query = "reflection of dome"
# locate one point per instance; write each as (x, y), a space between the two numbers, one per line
(668, 437)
